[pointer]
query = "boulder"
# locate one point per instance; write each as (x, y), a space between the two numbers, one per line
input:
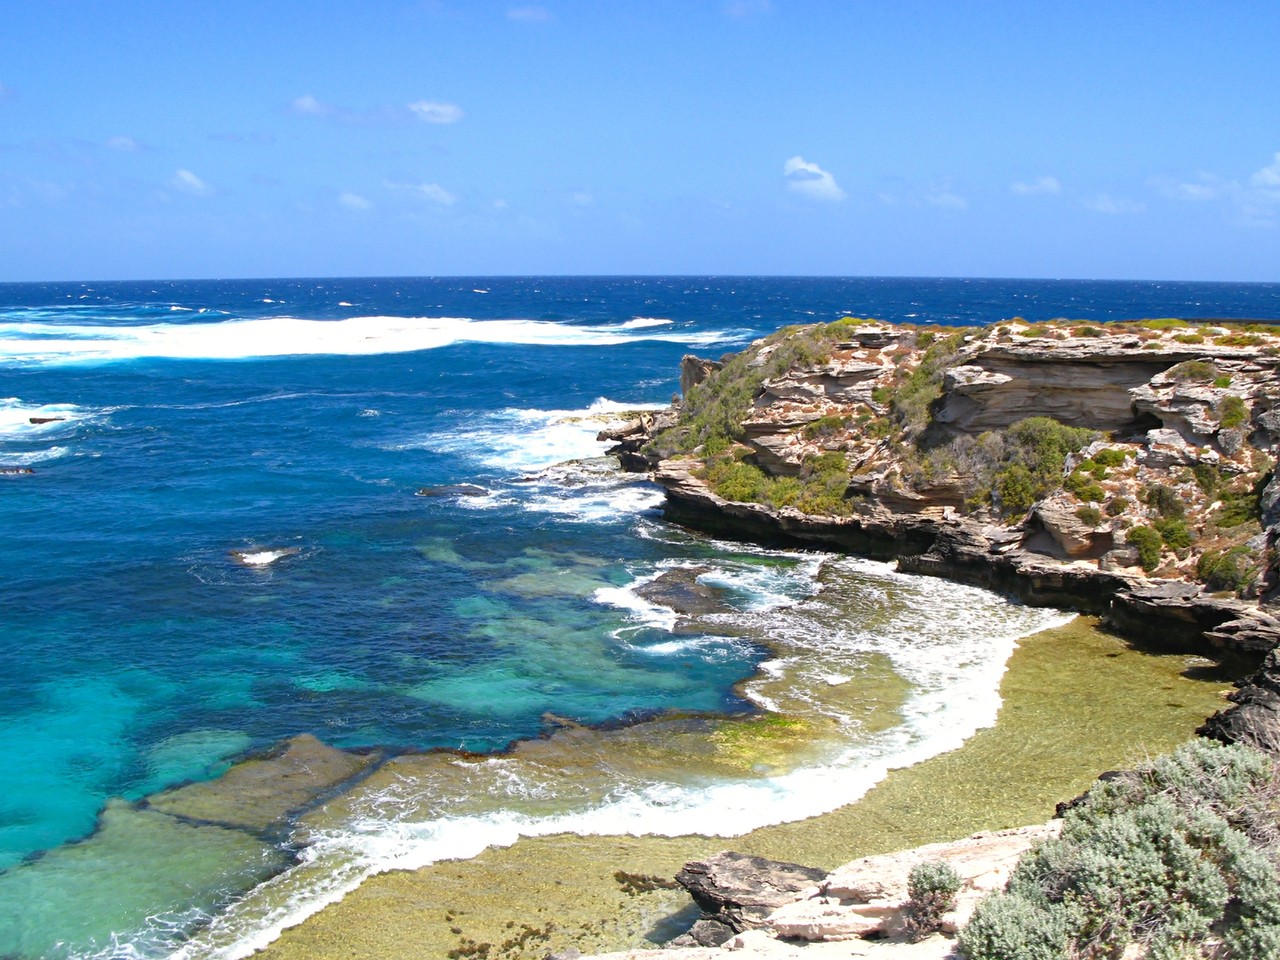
(1254, 719)
(740, 891)
(680, 591)
(453, 490)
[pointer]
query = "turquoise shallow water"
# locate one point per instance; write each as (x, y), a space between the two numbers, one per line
(177, 430)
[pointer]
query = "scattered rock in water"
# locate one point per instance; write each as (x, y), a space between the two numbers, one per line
(39, 420)
(259, 793)
(679, 590)
(15, 471)
(453, 490)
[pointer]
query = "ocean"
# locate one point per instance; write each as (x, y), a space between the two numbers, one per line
(219, 545)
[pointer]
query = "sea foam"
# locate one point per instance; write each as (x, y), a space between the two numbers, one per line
(38, 343)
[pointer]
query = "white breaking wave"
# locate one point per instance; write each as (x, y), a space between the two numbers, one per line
(529, 441)
(25, 343)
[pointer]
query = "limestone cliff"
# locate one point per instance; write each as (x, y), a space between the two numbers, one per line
(1120, 468)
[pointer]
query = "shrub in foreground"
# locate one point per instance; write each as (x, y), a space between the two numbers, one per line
(1169, 856)
(932, 887)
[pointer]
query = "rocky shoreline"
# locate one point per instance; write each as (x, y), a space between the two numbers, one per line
(1168, 403)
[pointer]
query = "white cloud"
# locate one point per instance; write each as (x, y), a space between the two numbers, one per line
(1041, 185)
(309, 106)
(425, 191)
(1268, 179)
(529, 14)
(1206, 187)
(126, 144)
(1105, 203)
(189, 183)
(353, 201)
(811, 180)
(433, 112)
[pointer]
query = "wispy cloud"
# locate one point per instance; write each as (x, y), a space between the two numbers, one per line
(1254, 201)
(810, 180)
(1041, 185)
(432, 192)
(430, 111)
(1268, 178)
(529, 14)
(581, 198)
(1106, 203)
(353, 201)
(309, 106)
(188, 183)
(124, 144)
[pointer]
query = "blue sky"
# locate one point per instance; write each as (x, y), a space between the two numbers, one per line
(436, 137)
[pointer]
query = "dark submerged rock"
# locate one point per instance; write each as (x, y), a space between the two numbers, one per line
(453, 490)
(680, 591)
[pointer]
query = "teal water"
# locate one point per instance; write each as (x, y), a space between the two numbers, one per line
(191, 426)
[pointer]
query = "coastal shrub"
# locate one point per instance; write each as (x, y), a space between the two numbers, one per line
(1189, 337)
(1149, 544)
(824, 426)
(1111, 457)
(1240, 340)
(1222, 382)
(1232, 569)
(931, 888)
(1007, 926)
(737, 480)
(1163, 500)
(914, 393)
(1086, 332)
(1090, 516)
(1118, 506)
(1207, 477)
(1163, 323)
(1014, 491)
(1193, 370)
(1174, 532)
(1231, 412)
(1241, 506)
(1164, 856)
(1083, 487)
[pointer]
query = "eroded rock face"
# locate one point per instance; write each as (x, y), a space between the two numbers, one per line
(740, 891)
(1255, 718)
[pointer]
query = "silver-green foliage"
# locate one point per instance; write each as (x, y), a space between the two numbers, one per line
(1165, 855)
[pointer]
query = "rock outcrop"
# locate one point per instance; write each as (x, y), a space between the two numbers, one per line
(1186, 421)
(758, 908)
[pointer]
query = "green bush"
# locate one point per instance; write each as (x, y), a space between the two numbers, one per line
(1232, 569)
(1174, 532)
(1118, 506)
(1111, 457)
(825, 426)
(1193, 370)
(1014, 491)
(736, 480)
(1090, 516)
(1011, 927)
(1164, 856)
(1149, 543)
(1207, 477)
(931, 888)
(1164, 500)
(1222, 382)
(1231, 412)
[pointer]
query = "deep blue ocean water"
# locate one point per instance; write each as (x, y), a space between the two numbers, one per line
(219, 545)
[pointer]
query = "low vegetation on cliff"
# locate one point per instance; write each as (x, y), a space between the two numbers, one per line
(1145, 444)
(1177, 858)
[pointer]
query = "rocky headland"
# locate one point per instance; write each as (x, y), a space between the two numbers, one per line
(1121, 469)
(1125, 469)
